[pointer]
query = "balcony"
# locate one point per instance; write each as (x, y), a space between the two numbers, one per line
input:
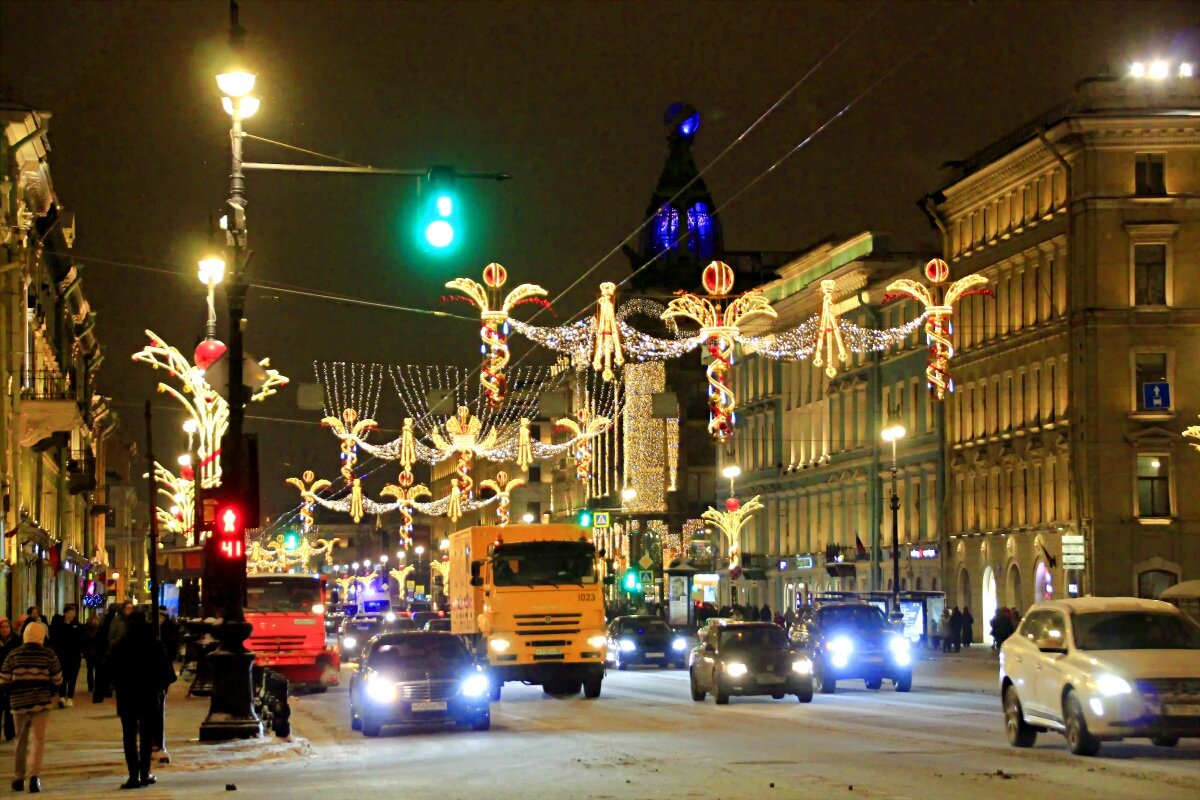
(81, 473)
(48, 406)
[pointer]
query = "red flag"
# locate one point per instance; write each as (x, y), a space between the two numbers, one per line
(56, 558)
(860, 547)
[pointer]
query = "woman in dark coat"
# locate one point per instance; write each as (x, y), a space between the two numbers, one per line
(140, 673)
(66, 639)
(956, 623)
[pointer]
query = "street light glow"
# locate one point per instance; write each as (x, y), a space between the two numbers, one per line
(236, 83)
(731, 472)
(241, 107)
(1185, 70)
(1158, 69)
(527, 518)
(212, 270)
(185, 460)
(419, 549)
(628, 493)
(444, 544)
(383, 559)
(400, 555)
(893, 433)
(1137, 70)
(190, 426)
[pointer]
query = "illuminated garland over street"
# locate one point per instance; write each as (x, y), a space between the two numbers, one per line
(406, 494)
(493, 314)
(1193, 432)
(308, 487)
(719, 327)
(502, 487)
(939, 307)
(275, 557)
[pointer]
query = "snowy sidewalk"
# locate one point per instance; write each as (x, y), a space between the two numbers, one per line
(83, 745)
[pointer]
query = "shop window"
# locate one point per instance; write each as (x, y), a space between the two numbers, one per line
(1153, 486)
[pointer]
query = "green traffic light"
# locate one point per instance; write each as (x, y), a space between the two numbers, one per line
(631, 581)
(438, 220)
(291, 540)
(585, 519)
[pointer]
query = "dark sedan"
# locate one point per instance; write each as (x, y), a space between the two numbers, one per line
(357, 631)
(852, 640)
(418, 678)
(644, 640)
(748, 658)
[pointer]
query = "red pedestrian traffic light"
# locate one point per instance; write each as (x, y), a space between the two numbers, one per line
(231, 532)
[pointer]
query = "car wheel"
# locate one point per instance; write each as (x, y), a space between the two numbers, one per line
(825, 684)
(805, 695)
(496, 687)
(720, 695)
(1079, 740)
(698, 694)
(482, 722)
(903, 682)
(777, 695)
(591, 686)
(1019, 733)
(370, 726)
(873, 683)
(1164, 741)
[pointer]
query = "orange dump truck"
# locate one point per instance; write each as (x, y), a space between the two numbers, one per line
(529, 601)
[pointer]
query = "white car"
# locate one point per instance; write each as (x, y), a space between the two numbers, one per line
(1102, 668)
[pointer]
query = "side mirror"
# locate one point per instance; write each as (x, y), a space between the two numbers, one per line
(476, 581)
(476, 566)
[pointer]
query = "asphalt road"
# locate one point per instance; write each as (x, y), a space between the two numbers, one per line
(645, 737)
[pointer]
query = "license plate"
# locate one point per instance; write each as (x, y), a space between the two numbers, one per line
(305, 621)
(436, 705)
(771, 679)
(548, 651)
(655, 655)
(1181, 711)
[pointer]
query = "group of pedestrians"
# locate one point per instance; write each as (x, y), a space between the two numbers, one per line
(956, 629)
(1004, 625)
(39, 666)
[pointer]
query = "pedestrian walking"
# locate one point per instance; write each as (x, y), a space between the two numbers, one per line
(66, 639)
(968, 628)
(141, 673)
(9, 641)
(31, 674)
(32, 614)
(91, 637)
(1002, 627)
(764, 614)
(956, 622)
(943, 627)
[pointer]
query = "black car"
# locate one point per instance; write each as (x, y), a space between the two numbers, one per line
(849, 640)
(437, 624)
(357, 631)
(418, 678)
(747, 658)
(644, 640)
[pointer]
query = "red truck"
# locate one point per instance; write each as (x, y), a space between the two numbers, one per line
(288, 614)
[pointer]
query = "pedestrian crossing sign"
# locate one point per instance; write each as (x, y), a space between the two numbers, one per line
(600, 519)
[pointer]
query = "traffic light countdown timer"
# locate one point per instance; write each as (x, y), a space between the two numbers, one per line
(224, 527)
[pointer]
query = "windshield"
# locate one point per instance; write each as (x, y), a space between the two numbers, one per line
(740, 638)
(282, 594)
(645, 626)
(541, 563)
(863, 618)
(1135, 630)
(404, 651)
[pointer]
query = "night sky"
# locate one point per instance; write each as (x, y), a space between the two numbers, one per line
(566, 97)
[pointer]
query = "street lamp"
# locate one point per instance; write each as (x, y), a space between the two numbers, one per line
(628, 493)
(400, 555)
(419, 550)
(893, 434)
(731, 472)
(190, 427)
(211, 272)
(185, 460)
(444, 544)
(383, 559)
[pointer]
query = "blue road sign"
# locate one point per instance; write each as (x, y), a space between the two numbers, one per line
(1156, 395)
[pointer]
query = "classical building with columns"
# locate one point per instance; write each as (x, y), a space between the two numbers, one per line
(1066, 470)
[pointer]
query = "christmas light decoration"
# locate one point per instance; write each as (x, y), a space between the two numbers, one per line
(350, 429)
(493, 314)
(583, 432)
(406, 493)
(643, 439)
(938, 302)
(606, 350)
(308, 487)
(273, 556)
(502, 487)
(730, 522)
(719, 326)
(829, 333)
(1193, 432)
(400, 576)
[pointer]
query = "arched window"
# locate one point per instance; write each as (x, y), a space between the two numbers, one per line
(700, 231)
(666, 228)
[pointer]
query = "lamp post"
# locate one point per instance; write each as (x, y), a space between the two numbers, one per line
(893, 434)
(731, 472)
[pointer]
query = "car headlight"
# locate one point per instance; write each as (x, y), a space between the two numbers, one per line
(1112, 685)
(499, 645)
(841, 646)
(389, 616)
(318, 608)
(475, 686)
(381, 690)
(679, 644)
(802, 667)
(899, 644)
(628, 646)
(735, 669)
(597, 641)
(349, 642)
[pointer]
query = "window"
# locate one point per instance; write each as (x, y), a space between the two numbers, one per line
(1150, 274)
(1153, 486)
(1150, 175)
(1149, 368)
(535, 473)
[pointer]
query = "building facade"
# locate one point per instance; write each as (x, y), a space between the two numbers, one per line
(1067, 473)
(53, 423)
(809, 446)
